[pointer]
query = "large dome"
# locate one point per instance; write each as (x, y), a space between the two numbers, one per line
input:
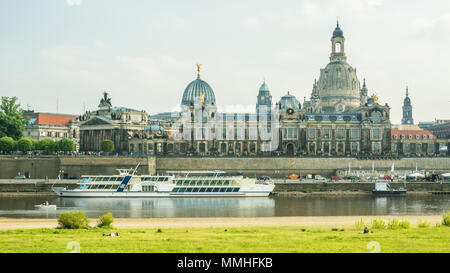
(196, 91)
(338, 83)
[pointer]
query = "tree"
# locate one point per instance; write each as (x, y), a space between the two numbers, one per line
(107, 146)
(25, 144)
(47, 145)
(7, 144)
(66, 145)
(11, 120)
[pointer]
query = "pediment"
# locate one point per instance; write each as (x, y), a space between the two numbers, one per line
(96, 121)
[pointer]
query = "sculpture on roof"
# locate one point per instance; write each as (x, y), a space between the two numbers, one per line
(105, 101)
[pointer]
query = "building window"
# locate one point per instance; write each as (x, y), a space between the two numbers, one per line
(290, 133)
(394, 147)
(202, 147)
(354, 147)
(312, 133)
(403, 136)
(424, 136)
(417, 136)
(252, 133)
(131, 148)
(150, 148)
(430, 148)
(355, 133)
(340, 133)
(170, 148)
(252, 147)
(326, 147)
(406, 148)
(312, 147)
(340, 147)
(395, 136)
(430, 136)
(376, 133)
(409, 136)
(183, 148)
(376, 147)
(223, 147)
(325, 132)
(238, 147)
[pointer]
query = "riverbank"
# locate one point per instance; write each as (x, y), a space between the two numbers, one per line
(309, 221)
(226, 235)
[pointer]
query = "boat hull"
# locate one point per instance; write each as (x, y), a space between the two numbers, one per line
(115, 194)
(389, 193)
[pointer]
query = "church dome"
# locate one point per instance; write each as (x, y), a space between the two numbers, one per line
(196, 91)
(289, 101)
(338, 83)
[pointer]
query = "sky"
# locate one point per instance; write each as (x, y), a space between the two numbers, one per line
(61, 55)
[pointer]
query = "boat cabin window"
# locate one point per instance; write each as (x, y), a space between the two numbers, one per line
(195, 189)
(223, 189)
(216, 190)
(235, 189)
(209, 190)
(202, 189)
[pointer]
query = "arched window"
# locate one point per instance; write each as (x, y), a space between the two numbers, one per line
(202, 147)
(338, 47)
(223, 147)
(312, 147)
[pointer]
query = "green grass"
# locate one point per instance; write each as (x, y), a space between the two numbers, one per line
(208, 239)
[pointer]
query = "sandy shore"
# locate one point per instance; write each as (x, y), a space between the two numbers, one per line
(304, 221)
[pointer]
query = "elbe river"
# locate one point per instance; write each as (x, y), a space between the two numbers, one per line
(321, 205)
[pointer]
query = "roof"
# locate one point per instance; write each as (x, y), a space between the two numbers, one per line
(49, 119)
(413, 133)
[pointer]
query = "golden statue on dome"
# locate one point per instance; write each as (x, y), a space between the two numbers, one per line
(199, 67)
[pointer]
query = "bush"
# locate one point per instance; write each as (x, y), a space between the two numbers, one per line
(66, 145)
(423, 224)
(378, 223)
(47, 145)
(105, 221)
(107, 146)
(25, 144)
(393, 224)
(359, 225)
(446, 219)
(7, 144)
(405, 224)
(73, 220)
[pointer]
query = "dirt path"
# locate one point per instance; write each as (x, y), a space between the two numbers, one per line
(314, 221)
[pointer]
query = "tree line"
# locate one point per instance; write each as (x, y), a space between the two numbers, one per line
(26, 144)
(11, 132)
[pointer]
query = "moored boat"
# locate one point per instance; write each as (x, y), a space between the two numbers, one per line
(383, 188)
(173, 184)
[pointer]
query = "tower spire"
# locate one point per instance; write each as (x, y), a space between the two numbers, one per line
(407, 89)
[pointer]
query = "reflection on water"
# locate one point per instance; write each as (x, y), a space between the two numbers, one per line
(23, 207)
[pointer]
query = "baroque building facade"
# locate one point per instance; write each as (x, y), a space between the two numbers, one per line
(340, 119)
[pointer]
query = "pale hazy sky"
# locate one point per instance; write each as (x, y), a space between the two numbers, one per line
(144, 52)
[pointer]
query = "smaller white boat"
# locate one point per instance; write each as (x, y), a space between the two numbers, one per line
(44, 206)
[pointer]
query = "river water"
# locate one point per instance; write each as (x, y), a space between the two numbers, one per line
(23, 207)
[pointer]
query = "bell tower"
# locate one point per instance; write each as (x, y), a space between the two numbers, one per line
(407, 110)
(337, 45)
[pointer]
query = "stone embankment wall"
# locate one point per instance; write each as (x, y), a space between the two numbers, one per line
(49, 167)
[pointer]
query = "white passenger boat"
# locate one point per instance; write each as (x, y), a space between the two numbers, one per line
(174, 184)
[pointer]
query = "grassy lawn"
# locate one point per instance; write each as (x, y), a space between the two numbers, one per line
(245, 239)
